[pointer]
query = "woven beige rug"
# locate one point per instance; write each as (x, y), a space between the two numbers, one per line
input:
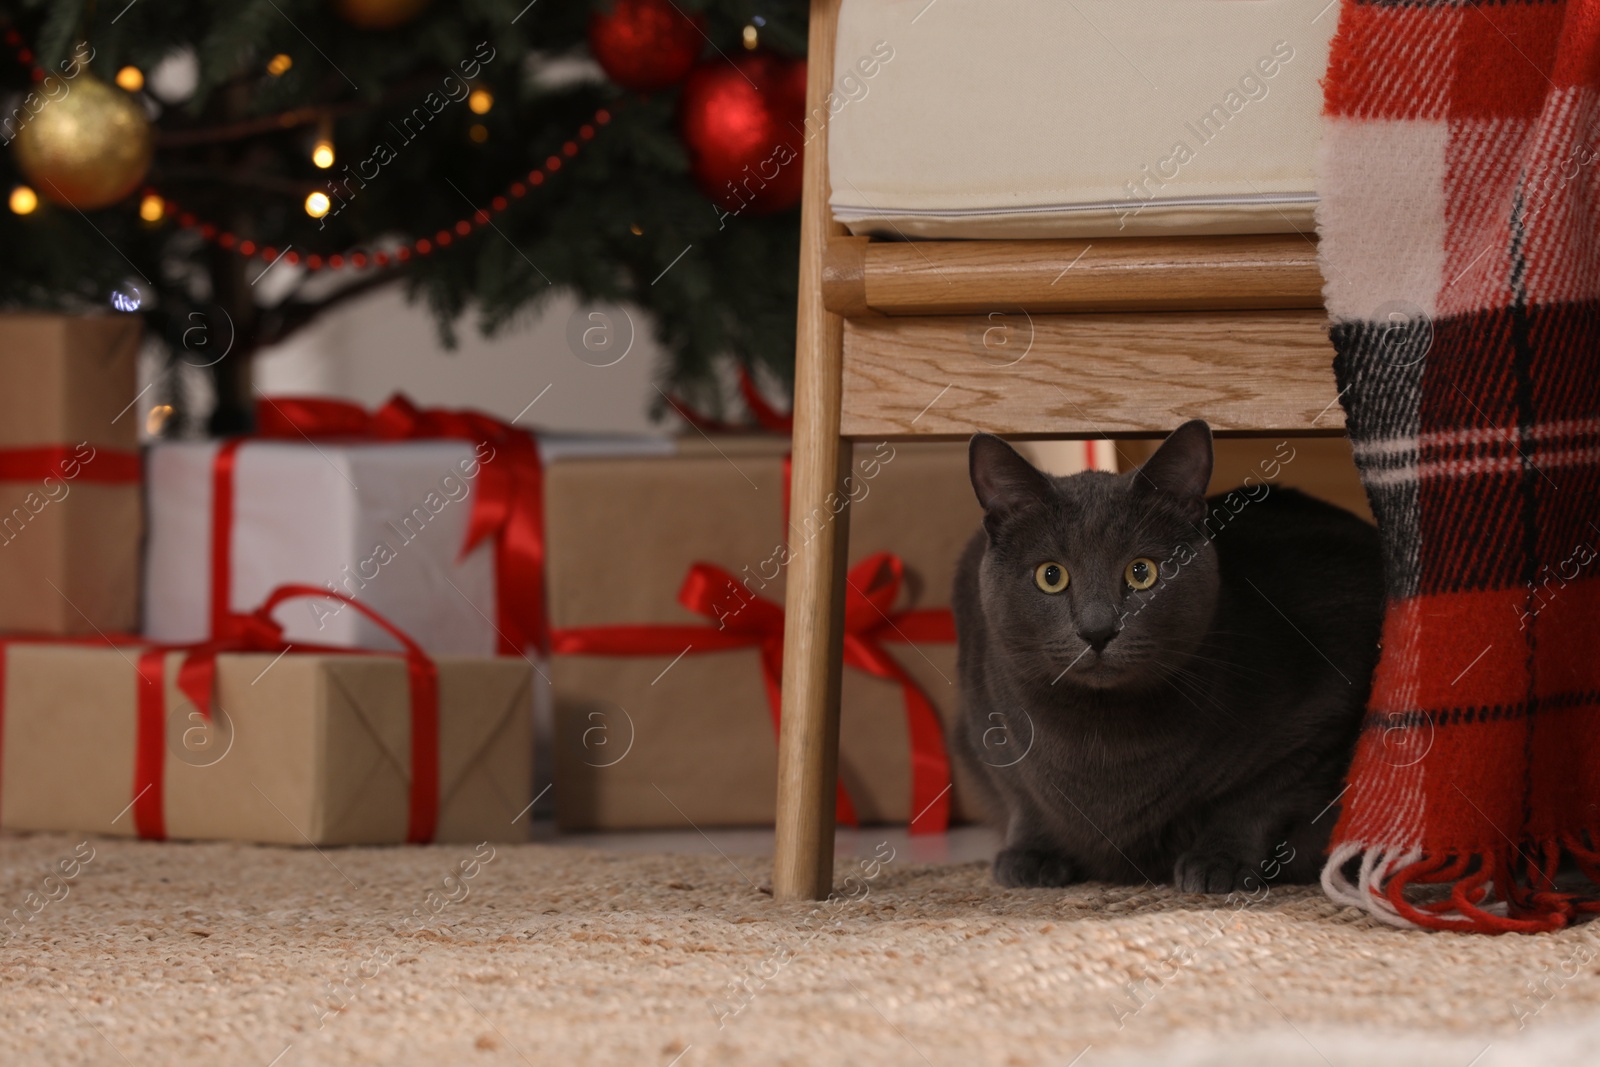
(137, 953)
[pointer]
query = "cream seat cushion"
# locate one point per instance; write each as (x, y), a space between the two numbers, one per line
(1076, 118)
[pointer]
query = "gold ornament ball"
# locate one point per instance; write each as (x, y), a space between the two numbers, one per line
(379, 14)
(87, 149)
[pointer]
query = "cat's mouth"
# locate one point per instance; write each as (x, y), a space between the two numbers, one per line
(1094, 668)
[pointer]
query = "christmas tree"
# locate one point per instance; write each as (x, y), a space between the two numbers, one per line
(231, 171)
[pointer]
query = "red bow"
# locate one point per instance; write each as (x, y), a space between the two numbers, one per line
(768, 418)
(259, 632)
(745, 620)
(509, 506)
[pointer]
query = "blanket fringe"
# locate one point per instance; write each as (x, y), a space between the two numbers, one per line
(1486, 891)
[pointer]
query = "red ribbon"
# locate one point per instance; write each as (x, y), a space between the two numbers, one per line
(106, 466)
(509, 506)
(767, 417)
(259, 632)
(752, 621)
(149, 746)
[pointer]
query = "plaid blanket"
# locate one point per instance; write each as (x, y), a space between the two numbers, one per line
(1460, 243)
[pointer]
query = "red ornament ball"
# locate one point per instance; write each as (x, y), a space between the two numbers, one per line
(644, 45)
(744, 122)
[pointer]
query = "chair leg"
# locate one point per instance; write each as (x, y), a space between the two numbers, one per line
(813, 635)
(808, 741)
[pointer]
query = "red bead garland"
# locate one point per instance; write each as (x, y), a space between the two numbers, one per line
(422, 246)
(24, 54)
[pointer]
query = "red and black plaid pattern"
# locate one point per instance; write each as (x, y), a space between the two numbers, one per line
(1460, 223)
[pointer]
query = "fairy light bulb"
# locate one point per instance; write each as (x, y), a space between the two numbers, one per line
(479, 101)
(152, 208)
(750, 38)
(131, 79)
(23, 200)
(322, 150)
(279, 65)
(317, 205)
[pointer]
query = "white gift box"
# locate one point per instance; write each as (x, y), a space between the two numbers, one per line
(381, 522)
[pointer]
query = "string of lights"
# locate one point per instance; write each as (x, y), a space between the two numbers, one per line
(153, 207)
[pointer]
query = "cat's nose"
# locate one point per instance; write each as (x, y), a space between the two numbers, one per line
(1097, 634)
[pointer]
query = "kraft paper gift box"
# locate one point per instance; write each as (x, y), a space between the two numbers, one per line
(70, 500)
(306, 749)
(655, 741)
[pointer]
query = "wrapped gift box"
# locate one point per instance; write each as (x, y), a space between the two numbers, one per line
(656, 741)
(310, 748)
(383, 522)
(70, 502)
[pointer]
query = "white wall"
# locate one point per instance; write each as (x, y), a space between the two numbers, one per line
(378, 344)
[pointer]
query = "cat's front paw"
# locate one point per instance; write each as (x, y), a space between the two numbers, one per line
(1027, 868)
(1211, 872)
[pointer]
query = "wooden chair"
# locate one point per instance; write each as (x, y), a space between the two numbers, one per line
(1049, 338)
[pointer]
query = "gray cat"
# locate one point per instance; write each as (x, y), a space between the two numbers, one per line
(1156, 686)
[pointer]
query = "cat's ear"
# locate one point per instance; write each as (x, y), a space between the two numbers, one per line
(1181, 467)
(1004, 481)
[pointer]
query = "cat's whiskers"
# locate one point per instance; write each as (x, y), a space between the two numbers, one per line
(1173, 681)
(1031, 664)
(1183, 676)
(1199, 656)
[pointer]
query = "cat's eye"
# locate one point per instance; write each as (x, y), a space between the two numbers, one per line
(1141, 573)
(1051, 577)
